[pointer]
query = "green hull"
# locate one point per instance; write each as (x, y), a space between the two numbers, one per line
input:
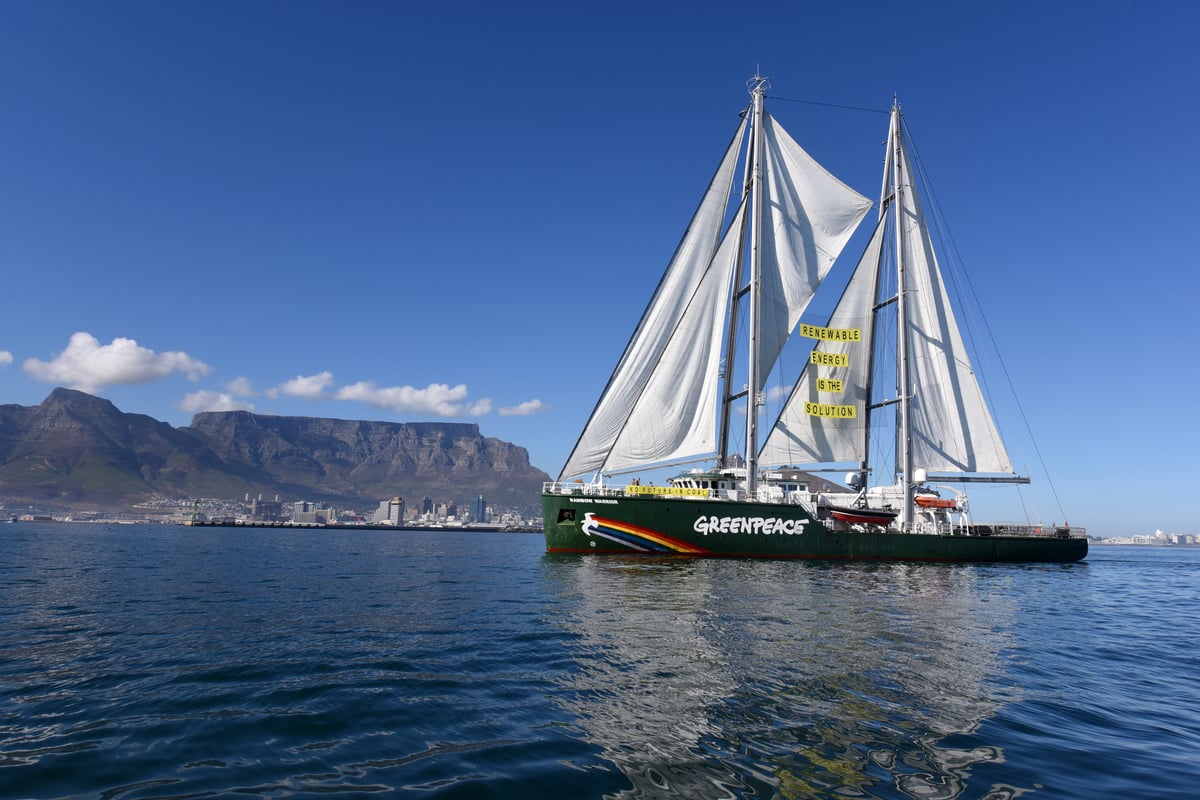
(580, 523)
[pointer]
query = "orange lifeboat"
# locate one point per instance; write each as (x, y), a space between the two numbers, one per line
(933, 501)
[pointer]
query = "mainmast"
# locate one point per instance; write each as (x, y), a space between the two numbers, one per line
(903, 378)
(759, 84)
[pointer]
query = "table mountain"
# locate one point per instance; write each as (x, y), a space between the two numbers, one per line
(77, 450)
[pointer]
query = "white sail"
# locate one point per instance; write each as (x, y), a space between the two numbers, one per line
(675, 416)
(824, 420)
(664, 414)
(952, 429)
(809, 217)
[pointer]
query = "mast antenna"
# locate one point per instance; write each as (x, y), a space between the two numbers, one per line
(758, 83)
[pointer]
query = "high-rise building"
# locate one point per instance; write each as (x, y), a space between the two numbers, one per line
(390, 512)
(478, 509)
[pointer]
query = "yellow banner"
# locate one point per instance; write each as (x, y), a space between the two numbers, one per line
(831, 334)
(827, 410)
(830, 385)
(828, 359)
(673, 491)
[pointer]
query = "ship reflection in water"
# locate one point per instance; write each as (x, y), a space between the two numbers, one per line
(711, 678)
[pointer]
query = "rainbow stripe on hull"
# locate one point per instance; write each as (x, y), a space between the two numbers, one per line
(635, 537)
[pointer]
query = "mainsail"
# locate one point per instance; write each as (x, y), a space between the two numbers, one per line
(825, 419)
(951, 427)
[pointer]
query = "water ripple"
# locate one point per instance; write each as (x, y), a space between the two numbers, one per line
(156, 662)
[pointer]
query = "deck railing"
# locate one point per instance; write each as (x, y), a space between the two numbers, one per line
(585, 489)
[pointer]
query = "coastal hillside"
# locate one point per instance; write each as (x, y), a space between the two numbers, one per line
(76, 450)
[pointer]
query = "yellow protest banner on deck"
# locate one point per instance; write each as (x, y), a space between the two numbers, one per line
(673, 491)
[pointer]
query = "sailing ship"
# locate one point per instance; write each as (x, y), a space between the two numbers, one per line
(755, 254)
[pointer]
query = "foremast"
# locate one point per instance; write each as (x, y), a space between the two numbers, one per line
(758, 86)
(752, 290)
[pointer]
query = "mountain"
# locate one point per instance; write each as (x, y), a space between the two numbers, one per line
(76, 450)
(353, 458)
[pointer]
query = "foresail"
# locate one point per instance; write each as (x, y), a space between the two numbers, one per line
(638, 399)
(675, 416)
(952, 428)
(810, 215)
(825, 419)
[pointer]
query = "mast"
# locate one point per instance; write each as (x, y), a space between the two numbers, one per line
(877, 305)
(731, 328)
(760, 84)
(904, 381)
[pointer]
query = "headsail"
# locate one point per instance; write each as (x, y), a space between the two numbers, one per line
(666, 419)
(952, 429)
(675, 414)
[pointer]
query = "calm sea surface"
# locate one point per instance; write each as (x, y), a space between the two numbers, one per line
(169, 662)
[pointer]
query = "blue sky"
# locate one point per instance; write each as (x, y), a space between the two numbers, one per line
(380, 211)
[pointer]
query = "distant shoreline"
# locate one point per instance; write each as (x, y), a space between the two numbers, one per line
(369, 526)
(1107, 543)
(357, 527)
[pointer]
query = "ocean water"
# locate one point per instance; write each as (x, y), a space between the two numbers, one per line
(168, 662)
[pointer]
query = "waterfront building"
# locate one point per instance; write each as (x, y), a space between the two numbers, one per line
(265, 510)
(306, 513)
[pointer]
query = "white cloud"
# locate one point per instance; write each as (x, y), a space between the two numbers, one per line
(529, 407)
(5, 358)
(206, 400)
(90, 366)
(241, 387)
(438, 399)
(779, 392)
(311, 387)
